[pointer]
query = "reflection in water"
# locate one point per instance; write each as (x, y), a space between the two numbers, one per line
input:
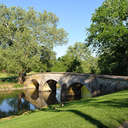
(40, 99)
(14, 102)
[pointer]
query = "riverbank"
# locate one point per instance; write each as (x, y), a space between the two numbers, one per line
(9, 82)
(109, 111)
(14, 88)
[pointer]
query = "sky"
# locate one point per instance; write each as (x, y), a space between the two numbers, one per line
(74, 16)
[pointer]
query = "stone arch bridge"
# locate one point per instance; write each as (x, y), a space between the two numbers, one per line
(96, 84)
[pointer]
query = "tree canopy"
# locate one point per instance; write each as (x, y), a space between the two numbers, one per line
(77, 59)
(108, 34)
(25, 38)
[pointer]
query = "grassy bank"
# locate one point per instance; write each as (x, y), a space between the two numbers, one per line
(8, 81)
(7, 78)
(107, 111)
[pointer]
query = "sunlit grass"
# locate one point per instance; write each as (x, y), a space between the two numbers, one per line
(6, 78)
(18, 86)
(4, 74)
(107, 111)
(32, 73)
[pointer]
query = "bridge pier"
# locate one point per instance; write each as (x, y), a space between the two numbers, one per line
(63, 93)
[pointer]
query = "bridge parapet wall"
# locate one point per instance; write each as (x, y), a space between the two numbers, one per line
(109, 84)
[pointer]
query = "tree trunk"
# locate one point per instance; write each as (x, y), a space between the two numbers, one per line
(21, 77)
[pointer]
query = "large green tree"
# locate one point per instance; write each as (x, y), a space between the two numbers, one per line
(108, 35)
(26, 37)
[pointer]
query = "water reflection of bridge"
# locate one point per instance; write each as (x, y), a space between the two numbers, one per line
(14, 102)
(40, 99)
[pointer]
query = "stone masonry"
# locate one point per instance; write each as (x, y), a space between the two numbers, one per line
(96, 84)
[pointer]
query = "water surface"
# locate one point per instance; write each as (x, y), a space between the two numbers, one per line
(14, 102)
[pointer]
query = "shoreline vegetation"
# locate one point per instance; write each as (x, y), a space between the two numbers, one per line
(13, 88)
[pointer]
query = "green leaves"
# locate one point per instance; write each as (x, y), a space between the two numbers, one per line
(108, 34)
(77, 59)
(24, 36)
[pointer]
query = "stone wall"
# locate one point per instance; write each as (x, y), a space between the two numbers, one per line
(108, 84)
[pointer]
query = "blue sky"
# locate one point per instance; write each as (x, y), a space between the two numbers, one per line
(74, 15)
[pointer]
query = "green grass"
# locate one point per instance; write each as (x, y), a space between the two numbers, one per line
(5, 75)
(107, 111)
(18, 86)
(32, 73)
(7, 78)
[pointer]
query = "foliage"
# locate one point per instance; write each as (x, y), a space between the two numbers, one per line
(100, 112)
(7, 95)
(67, 64)
(25, 37)
(74, 66)
(77, 59)
(59, 65)
(48, 58)
(79, 50)
(108, 35)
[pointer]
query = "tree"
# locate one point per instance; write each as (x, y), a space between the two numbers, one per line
(77, 59)
(59, 65)
(81, 56)
(25, 37)
(67, 64)
(74, 66)
(108, 35)
(48, 58)
(79, 50)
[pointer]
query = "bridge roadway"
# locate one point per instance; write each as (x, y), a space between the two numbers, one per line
(96, 84)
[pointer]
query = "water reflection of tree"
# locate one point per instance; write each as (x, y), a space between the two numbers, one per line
(12, 102)
(8, 95)
(22, 103)
(18, 104)
(3, 114)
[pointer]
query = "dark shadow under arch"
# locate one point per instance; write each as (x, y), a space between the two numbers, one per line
(52, 84)
(46, 98)
(74, 90)
(35, 82)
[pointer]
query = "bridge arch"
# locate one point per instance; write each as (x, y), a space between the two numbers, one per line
(78, 90)
(50, 85)
(35, 83)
